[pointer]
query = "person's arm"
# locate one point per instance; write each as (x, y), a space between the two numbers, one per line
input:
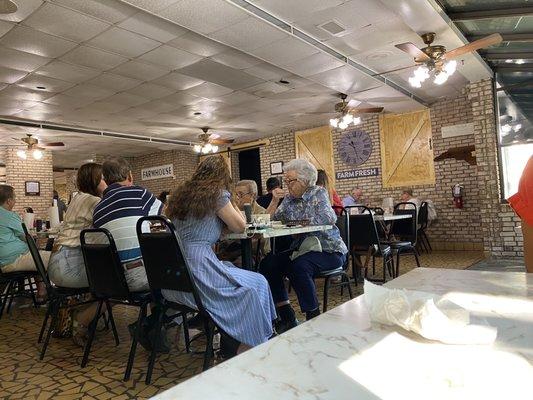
(277, 195)
(232, 218)
(323, 212)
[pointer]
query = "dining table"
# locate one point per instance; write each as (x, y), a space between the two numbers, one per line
(342, 354)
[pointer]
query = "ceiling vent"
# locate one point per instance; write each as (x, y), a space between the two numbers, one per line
(333, 28)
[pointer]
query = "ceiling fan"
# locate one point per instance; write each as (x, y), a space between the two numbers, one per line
(35, 147)
(435, 58)
(210, 142)
(348, 113)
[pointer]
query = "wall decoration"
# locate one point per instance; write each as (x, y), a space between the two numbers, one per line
(276, 168)
(316, 146)
(32, 188)
(355, 147)
(357, 173)
(161, 171)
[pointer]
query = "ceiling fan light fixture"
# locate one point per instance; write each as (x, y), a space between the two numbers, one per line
(22, 154)
(197, 148)
(519, 61)
(347, 119)
(421, 73)
(450, 67)
(334, 122)
(415, 82)
(440, 78)
(356, 120)
(37, 154)
(343, 125)
(214, 148)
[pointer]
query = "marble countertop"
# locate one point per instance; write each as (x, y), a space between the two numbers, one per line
(277, 232)
(342, 355)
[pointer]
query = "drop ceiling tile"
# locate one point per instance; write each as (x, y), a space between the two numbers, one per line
(5, 27)
(123, 42)
(140, 70)
(236, 59)
(106, 107)
(19, 60)
(115, 82)
(294, 10)
(345, 79)
(182, 98)
(8, 75)
(153, 27)
(25, 8)
(67, 72)
(50, 84)
(91, 57)
(88, 91)
(151, 5)
(14, 92)
(127, 99)
(313, 65)
(177, 81)
(198, 44)
(68, 101)
(151, 91)
(137, 113)
(17, 103)
(266, 89)
(209, 90)
(266, 71)
(46, 108)
(171, 57)
(238, 98)
(284, 51)
(248, 34)
(159, 106)
(203, 16)
(66, 23)
(105, 10)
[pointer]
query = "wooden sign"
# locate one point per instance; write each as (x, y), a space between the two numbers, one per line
(161, 171)
(357, 173)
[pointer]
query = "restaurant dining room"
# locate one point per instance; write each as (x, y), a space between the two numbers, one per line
(266, 199)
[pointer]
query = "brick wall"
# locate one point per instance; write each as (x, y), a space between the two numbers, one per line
(70, 177)
(281, 148)
(19, 171)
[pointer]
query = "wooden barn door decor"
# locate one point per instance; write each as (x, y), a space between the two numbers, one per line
(406, 150)
(315, 145)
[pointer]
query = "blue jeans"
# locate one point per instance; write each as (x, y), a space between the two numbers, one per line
(300, 272)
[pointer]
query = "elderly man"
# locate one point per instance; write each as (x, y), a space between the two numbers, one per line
(310, 253)
(230, 250)
(354, 198)
(407, 196)
(14, 252)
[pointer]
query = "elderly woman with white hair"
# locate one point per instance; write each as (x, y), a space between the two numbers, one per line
(306, 257)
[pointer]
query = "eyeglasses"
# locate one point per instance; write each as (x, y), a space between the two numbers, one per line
(241, 195)
(289, 181)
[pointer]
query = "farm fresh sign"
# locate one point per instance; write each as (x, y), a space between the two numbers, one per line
(161, 171)
(357, 173)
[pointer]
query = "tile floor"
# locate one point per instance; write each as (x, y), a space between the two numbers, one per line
(59, 376)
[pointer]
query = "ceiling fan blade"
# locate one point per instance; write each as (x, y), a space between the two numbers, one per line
(395, 70)
(414, 51)
(51, 144)
(487, 41)
(221, 141)
(367, 110)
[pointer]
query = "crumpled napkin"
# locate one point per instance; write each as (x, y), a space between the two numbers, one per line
(429, 315)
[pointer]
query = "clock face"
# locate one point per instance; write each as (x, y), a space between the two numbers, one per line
(355, 147)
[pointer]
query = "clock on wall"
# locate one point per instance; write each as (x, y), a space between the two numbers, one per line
(355, 147)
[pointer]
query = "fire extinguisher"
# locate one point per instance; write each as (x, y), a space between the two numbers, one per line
(458, 192)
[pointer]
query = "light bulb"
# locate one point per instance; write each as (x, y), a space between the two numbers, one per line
(519, 61)
(450, 67)
(334, 122)
(343, 125)
(509, 60)
(37, 154)
(214, 149)
(357, 120)
(421, 73)
(440, 78)
(205, 150)
(517, 127)
(22, 154)
(197, 148)
(506, 128)
(414, 82)
(347, 119)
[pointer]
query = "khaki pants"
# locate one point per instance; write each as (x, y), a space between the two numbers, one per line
(527, 232)
(25, 262)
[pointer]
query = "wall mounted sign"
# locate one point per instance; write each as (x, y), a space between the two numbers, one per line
(276, 168)
(161, 171)
(357, 173)
(457, 130)
(32, 188)
(355, 147)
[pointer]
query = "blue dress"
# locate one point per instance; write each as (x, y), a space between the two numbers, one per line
(239, 301)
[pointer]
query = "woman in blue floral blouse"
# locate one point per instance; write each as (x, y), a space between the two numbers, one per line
(305, 201)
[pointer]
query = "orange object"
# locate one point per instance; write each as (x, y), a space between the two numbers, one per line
(522, 201)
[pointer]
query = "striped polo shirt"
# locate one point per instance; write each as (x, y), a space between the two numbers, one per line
(118, 212)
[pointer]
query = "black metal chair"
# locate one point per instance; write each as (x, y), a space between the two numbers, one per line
(365, 241)
(17, 284)
(167, 268)
(343, 223)
(57, 296)
(107, 283)
(406, 232)
(422, 226)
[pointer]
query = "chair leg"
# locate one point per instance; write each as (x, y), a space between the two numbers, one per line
(131, 357)
(350, 293)
(373, 265)
(32, 291)
(154, 346)
(427, 241)
(397, 263)
(14, 289)
(326, 290)
(45, 321)
(112, 322)
(5, 297)
(384, 270)
(415, 252)
(186, 333)
(209, 333)
(92, 331)
(54, 311)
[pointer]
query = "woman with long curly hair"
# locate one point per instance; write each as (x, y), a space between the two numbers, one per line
(239, 301)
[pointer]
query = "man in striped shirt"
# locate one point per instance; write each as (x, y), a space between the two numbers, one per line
(121, 206)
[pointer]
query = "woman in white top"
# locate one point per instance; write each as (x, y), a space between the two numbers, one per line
(66, 267)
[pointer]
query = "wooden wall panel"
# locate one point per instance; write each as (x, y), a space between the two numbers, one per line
(315, 145)
(406, 151)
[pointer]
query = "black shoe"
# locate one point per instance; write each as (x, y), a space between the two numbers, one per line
(284, 326)
(142, 338)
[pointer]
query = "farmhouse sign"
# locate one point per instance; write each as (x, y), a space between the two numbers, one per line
(161, 171)
(357, 173)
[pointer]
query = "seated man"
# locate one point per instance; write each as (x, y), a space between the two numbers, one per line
(230, 250)
(14, 252)
(310, 253)
(271, 184)
(121, 206)
(354, 198)
(407, 196)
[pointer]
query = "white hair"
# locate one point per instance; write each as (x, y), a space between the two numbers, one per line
(305, 171)
(252, 185)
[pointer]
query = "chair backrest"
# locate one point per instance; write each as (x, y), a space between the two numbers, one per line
(378, 210)
(406, 228)
(166, 266)
(423, 215)
(105, 272)
(362, 228)
(39, 264)
(343, 223)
